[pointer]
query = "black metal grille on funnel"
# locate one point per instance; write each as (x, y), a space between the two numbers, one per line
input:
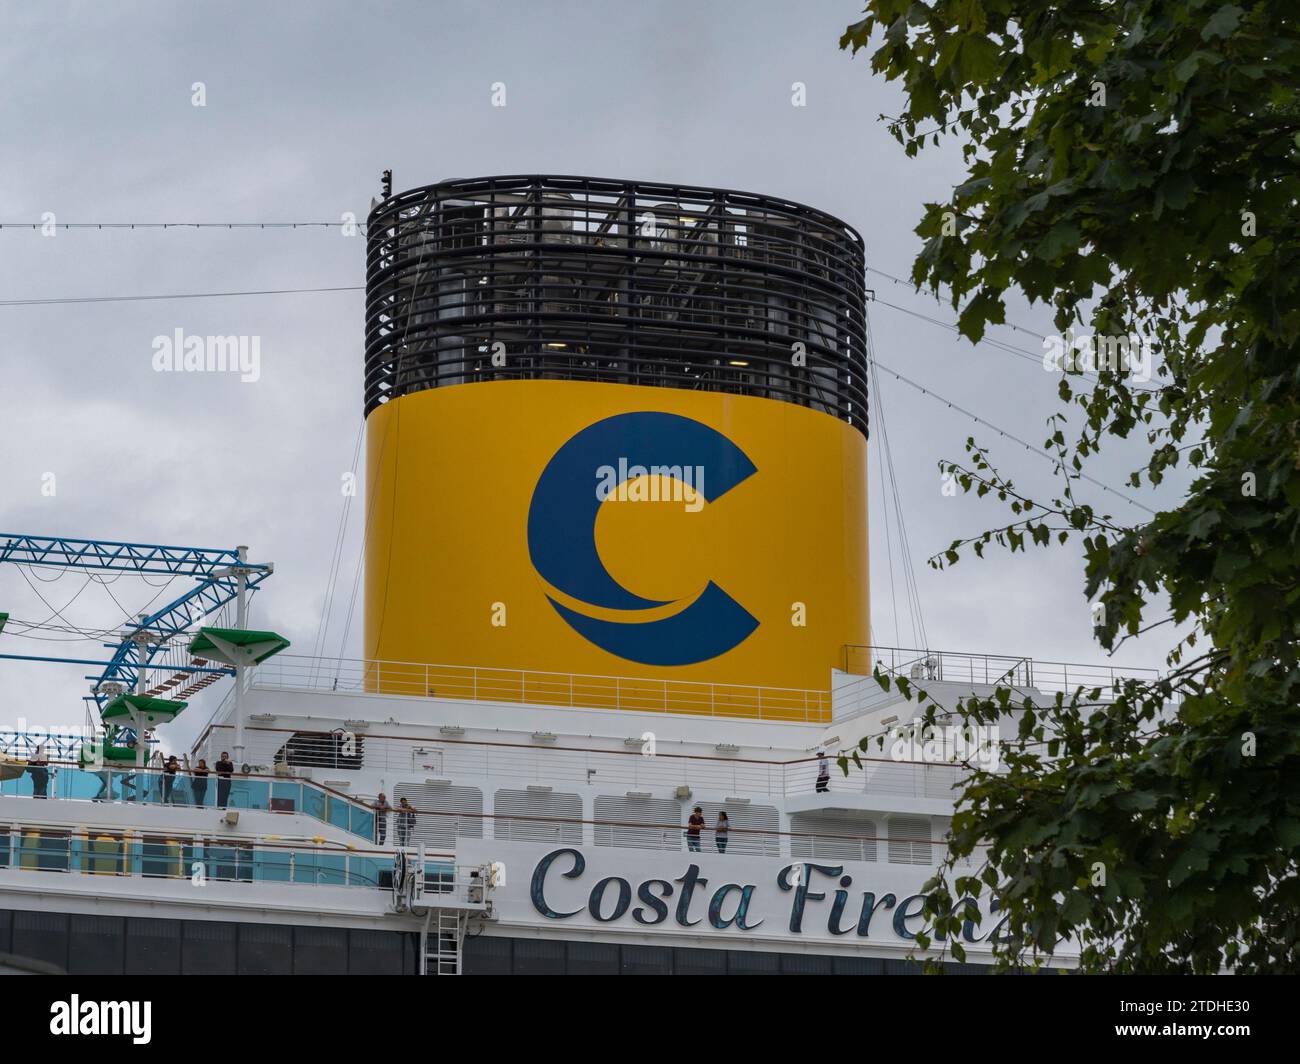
(578, 278)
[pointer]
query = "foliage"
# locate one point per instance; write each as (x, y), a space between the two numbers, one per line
(1133, 165)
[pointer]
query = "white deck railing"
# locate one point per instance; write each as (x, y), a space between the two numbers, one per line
(613, 771)
(990, 669)
(467, 683)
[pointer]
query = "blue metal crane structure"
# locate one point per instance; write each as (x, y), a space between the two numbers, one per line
(221, 576)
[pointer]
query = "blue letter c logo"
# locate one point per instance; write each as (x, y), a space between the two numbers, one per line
(562, 537)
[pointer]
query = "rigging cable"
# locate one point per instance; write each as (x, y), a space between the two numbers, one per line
(396, 428)
(1016, 439)
(336, 559)
(911, 585)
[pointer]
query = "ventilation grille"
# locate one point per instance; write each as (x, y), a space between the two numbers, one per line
(590, 279)
(664, 825)
(753, 819)
(559, 817)
(834, 839)
(940, 780)
(440, 831)
(908, 840)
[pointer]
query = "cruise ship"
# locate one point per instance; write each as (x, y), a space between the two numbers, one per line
(618, 654)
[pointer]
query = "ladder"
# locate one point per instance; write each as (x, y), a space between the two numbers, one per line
(441, 942)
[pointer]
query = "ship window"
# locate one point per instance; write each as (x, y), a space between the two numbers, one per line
(46, 851)
(593, 958)
(374, 953)
(41, 937)
(95, 945)
(106, 853)
(265, 949)
(639, 823)
(832, 837)
(647, 960)
(701, 961)
(805, 964)
(858, 965)
(153, 947)
(208, 948)
(909, 840)
(742, 962)
(536, 816)
(538, 957)
(487, 955)
(163, 858)
(320, 951)
(228, 862)
(336, 749)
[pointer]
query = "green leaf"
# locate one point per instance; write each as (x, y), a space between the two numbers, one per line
(1223, 23)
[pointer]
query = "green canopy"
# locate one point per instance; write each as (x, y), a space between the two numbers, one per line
(4, 619)
(236, 646)
(151, 711)
(107, 753)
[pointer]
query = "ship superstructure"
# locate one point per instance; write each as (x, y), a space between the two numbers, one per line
(616, 640)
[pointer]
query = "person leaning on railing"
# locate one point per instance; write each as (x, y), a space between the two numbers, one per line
(693, 826)
(199, 785)
(170, 769)
(382, 809)
(405, 821)
(39, 770)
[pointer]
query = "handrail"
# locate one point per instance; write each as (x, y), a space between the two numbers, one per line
(1041, 674)
(130, 851)
(327, 847)
(107, 772)
(521, 817)
(377, 752)
(550, 747)
(480, 683)
(643, 824)
(261, 842)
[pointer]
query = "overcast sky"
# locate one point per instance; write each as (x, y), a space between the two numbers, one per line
(306, 103)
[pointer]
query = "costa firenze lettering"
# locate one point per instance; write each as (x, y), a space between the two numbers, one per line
(688, 901)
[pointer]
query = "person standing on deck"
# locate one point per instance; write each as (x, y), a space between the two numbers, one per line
(39, 770)
(405, 822)
(200, 784)
(693, 826)
(225, 768)
(169, 778)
